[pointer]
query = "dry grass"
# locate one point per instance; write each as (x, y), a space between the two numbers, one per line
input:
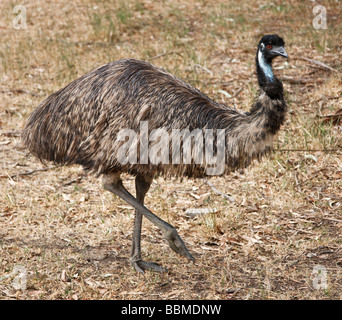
(74, 239)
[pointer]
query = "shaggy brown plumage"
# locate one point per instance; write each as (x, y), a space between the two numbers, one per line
(79, 124)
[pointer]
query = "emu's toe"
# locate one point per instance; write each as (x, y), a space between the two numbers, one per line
(141, 266)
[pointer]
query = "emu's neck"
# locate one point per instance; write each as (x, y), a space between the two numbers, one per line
(264, 68)
(268, 112)
(268, 82)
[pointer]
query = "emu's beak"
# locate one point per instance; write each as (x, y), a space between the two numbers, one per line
(279, 51)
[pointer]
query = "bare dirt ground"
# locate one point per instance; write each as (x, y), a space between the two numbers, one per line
(280, 239)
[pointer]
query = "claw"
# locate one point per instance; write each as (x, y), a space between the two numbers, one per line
(176, 244)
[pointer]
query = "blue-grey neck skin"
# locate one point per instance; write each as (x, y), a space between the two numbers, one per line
(265, 67)
(268, 82)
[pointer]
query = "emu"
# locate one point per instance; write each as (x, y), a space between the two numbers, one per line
(80, 123)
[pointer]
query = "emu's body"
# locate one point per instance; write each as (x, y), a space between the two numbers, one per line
(80, 123)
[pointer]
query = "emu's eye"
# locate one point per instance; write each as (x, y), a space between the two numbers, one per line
(269, 47)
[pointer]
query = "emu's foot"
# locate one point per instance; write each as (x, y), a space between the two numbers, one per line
(176, 243)
(141, 266)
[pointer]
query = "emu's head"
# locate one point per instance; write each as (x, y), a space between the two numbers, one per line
(271, 46)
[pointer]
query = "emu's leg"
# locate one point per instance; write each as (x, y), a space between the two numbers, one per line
(142, 184)
(113, 183)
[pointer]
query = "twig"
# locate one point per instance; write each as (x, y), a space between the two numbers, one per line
(20, 91)
(166, 54)
(192, 213)
(332, 97)
(297, 183)
(318, 63)
(231, 199)
(335, 118)
(203, 68)
(300, 81)
(14, 133)
(237, 92)
(28, 172)
(162, 55)
(333, 219)
(315, 174)
(308, 150)
(72, 181)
